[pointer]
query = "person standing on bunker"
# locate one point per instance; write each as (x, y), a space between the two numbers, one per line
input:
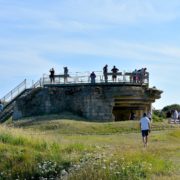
(114, 71)
(105, 71)
(51, 76)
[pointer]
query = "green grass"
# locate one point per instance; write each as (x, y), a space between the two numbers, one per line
(87, 150)
(63, 126)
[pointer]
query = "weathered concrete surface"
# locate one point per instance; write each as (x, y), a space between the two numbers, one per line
(104, 102)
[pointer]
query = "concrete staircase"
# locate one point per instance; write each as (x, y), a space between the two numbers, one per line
(9, 99)
(8, 108)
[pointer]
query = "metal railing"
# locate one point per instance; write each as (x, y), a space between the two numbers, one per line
(9, 98)
(14, 93)
(37, 84)
(80, 78)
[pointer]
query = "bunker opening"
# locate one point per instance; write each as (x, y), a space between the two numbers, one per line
(122, 113)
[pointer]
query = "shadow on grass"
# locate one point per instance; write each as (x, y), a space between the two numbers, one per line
(28, 121)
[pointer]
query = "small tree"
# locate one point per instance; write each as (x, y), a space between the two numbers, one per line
(158, 115)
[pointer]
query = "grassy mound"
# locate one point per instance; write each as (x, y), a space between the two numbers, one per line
(57, 124)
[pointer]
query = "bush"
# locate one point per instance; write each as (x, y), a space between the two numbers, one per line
(158, 116)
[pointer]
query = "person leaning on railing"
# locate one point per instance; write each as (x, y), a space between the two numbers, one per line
(142, 74)
(134, 76)
(93, 77)
(114, 71)
(65, 74)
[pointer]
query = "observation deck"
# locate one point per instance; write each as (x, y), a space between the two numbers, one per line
(78, 78)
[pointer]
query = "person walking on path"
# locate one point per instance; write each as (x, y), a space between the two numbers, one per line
(145, 128)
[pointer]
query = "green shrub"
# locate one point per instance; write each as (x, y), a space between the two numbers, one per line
(157, 118)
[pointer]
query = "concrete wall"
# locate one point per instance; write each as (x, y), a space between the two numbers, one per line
(94, 102)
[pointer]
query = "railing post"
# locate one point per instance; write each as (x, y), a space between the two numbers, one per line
(11, 95)
(40, 82)
(43, 81)
(25, 83)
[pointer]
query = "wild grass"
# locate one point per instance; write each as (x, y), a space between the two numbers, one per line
(24, 155)
(113, 166)
(87, 150)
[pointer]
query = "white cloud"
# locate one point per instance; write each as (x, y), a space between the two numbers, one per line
(86, 14)
(30, 49)
(114, 48)
(120, 11)
(26, 63)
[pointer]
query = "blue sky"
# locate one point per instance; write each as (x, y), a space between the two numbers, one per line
(84, 35)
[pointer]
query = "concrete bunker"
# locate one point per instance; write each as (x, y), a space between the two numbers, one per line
(101, 101)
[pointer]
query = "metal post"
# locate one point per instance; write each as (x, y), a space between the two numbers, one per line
(25, 84)
(11, 95)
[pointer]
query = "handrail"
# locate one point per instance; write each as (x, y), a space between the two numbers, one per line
(37, 84)
(126, 77)
(14, 92)
(12, 95)
(18, 89)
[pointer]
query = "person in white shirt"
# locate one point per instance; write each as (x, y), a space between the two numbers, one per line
(179, 115)
(145, 128)
(175, 115)
(149, 115)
